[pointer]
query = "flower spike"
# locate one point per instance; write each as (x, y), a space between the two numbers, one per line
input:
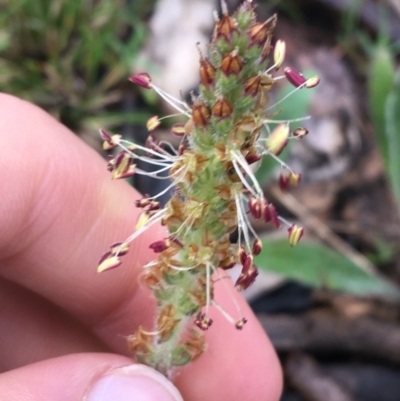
(225, 130)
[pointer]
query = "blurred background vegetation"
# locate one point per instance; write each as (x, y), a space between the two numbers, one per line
(73, 57)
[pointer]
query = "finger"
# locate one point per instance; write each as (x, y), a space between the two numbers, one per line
(60, 212)
(86, 377)
(64, 215)
(32, 329)
(237, 365)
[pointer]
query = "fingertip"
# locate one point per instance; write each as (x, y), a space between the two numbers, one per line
(238, 364)
(87, 377)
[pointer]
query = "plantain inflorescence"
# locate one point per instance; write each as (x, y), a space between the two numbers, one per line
(229, 127)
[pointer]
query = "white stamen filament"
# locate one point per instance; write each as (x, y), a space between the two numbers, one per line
(170, 147)
(243, 179)
(284, 221)
(171, 100)
(266, 121)
(183, 269)
(228, 290)
(249, 225)
(242, 222)
(154, 173)
(153, 219)
(280, 161)
(285, 97)
(227, 316)
(173, 184)
(243, 163)
(208, 288)
(165, 156)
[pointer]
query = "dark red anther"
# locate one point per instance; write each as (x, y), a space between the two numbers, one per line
(294, 77)
(159, 246)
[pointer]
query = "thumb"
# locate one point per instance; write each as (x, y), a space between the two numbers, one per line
(87, 377)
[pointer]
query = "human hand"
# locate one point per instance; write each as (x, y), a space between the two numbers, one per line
(63, 326)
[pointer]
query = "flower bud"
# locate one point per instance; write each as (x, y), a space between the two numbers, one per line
(222, 108)
(279, 53)
(200, 115)
(295, 78)
(267, 81)
(252, 85)
(225, 27)
(295, 234)
(143, 79)
(231, 63)
(278, 139)
(207, 72)
(259, 33)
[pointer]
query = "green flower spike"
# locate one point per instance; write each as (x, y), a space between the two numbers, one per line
(215, 187)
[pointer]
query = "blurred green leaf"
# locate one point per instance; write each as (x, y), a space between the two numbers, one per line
(384, 252)
(380, 82)
(393, 136)
(320, 266)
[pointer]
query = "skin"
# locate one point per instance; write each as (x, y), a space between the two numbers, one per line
(62, 324)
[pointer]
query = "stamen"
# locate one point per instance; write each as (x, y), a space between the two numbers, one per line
(153, 219)
(280, 161)
(243, 163)
(183, 269)
(165, 156)
(242, 222)
(266, 121)
(171, 100)
(284, 221)
(170, 147)
(249, 225)
(208, 288)
(285, 97)
(226, 315)
(243, 179)
(229, 291)
(173, 184)
(153, 174)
